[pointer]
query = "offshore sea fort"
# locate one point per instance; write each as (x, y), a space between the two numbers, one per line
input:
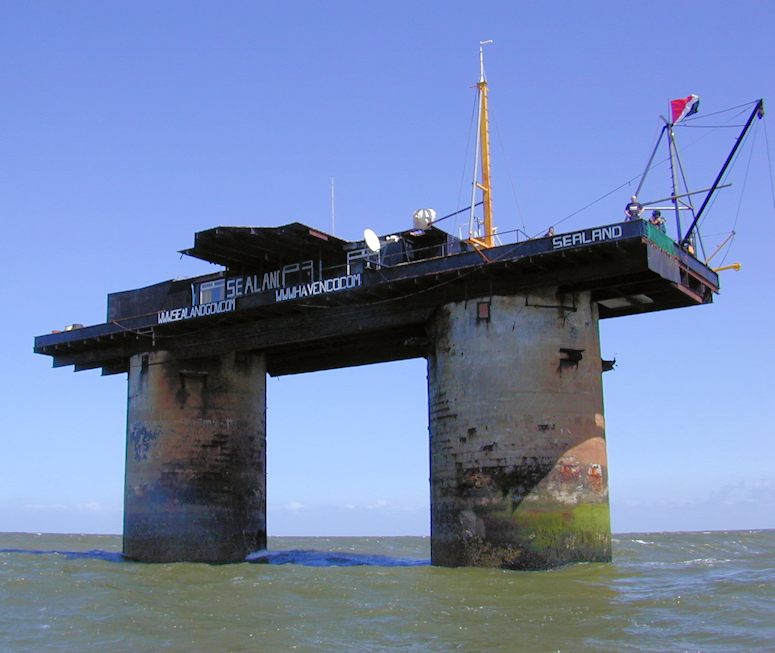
(510, 333)
(712, 592)
(518, 467)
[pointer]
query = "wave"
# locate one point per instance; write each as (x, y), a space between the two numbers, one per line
(309, 558)
(94, 554)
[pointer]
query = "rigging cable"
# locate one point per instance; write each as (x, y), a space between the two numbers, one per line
(458, 212)
(715, 197)
(465, 166)
(742, 108)
(745, 177)
(710, 128)
(520, 215)
(769, 165)
(742, 193)
(738, 125)
(732, 164)
(592, 203)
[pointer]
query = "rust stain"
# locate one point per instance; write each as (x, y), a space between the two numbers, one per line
(569, 472)
(595, 475)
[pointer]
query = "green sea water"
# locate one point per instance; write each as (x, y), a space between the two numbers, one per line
(710, 591)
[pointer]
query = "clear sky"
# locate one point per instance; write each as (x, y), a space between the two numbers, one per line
(127, 127)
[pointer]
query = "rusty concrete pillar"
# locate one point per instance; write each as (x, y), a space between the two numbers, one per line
(195, 487)
(517, 435)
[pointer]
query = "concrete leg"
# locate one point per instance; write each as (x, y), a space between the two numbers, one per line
(195, 486)
(517, 435)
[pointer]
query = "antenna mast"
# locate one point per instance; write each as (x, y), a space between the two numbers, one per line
(673, 151)
(333, 214)
(476, 235)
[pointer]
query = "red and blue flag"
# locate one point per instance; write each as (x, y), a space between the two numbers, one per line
(684, 107)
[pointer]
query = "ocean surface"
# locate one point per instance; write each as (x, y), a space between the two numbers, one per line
(712, 591)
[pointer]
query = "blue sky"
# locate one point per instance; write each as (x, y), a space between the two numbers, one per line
(126, 127)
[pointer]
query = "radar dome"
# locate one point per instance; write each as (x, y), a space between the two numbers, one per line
(423, 218)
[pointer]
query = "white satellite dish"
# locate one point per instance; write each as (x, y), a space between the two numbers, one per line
(372, 240)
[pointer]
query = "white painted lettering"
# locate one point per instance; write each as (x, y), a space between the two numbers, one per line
(318, 287)
(213, 308)
(587, 236)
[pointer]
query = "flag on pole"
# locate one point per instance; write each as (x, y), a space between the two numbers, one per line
(684, 107)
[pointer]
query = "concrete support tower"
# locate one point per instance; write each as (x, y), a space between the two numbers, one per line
(517, 436)
(195, 486)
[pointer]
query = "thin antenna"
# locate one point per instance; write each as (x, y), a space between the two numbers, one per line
(482, 78)
(333, 212)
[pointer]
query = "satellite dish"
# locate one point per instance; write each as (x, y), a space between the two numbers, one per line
(423, 218)
(372, 240)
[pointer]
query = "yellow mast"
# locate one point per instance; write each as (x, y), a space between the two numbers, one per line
(486, 239)
(485, 185)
